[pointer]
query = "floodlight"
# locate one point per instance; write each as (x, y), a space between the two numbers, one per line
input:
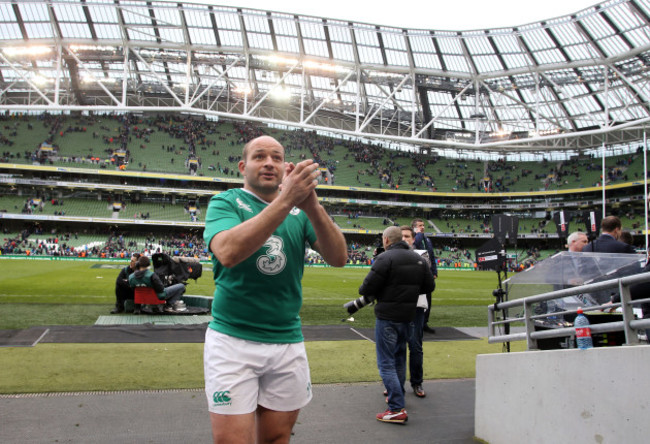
(27, 50)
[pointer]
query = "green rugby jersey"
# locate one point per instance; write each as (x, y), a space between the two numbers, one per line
(260, 298)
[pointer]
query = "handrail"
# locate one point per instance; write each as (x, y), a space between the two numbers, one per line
(629, 325)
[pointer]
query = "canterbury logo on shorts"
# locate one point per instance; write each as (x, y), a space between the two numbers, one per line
(221, 398)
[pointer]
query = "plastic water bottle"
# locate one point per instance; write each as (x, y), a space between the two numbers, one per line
(583, 332)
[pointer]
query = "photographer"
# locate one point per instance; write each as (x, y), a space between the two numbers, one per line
(123, 291)
(143, 277)
(396, 279)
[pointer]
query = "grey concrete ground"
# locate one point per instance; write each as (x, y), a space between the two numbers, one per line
(339, 413)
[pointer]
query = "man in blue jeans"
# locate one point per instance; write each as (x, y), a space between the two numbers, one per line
(396, 279)
(416, 355)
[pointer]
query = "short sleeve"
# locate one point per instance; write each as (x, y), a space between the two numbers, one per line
(221, 216)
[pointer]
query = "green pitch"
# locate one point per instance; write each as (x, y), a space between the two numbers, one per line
(52, 292)
(39, 292)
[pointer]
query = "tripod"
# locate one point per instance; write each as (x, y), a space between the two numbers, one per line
(502, 294)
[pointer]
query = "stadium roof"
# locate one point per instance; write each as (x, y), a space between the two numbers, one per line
(569, 83)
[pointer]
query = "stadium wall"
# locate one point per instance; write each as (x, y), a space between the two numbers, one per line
(598, 395)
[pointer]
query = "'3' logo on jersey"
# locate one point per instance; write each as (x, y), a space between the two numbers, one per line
(274, 261)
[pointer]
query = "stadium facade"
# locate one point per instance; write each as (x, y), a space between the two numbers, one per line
(562, 89)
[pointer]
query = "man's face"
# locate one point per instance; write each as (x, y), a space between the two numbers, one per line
(419, 227)
(407, 236)
(263, 168)
(577, 244)
(134, 260)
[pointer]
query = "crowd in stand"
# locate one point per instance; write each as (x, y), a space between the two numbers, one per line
(190, 136)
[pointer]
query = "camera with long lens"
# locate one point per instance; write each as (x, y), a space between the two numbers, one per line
(356, 305)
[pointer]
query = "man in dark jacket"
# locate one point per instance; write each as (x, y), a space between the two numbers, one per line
(143, 277)
(395, 280)
(608, 241)
(422, 242)
(123, 290)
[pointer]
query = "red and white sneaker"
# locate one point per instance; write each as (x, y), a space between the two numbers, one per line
(395, 417)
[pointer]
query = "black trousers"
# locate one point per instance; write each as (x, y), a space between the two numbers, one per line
(121, 295)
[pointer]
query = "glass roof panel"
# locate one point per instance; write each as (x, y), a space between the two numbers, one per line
(342, 51)
(39, 30)
(227, 21)
(339, 32)
(103, 15)
(312, 30)
(107, 31)
(231, 38)
(284, 25)
(581, 52)
(370, 55)
(141, 33)
(260, 40)
(288, 44)
(75, 30)
(69, 13)
(450, 45)
(136, 15)
(624, 18)
(257, 23)
(31, 12)
(397, 58)
(478, 45)
(639, 36)
(613, 45)
(393, 41)
(202, 36)
(456, 63)
(366, 36)
(10, 31)
(315, 47)
(515, 60)
(7, 13)
(488, 63)
(537, 39)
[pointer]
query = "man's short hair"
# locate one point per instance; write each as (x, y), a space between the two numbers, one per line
(143, 262)
(415, 221)
(574, 237)
(136, 255)
(393, 234)
(405, 228)
(610, 223)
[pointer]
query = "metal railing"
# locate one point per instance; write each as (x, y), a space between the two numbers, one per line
(629, 325)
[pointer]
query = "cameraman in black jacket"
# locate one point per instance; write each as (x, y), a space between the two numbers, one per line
(123, 291)
(395, 280)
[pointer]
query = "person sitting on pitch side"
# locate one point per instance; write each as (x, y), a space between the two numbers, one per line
(143, 277)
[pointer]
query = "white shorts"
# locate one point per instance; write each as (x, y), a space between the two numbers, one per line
(240, 375)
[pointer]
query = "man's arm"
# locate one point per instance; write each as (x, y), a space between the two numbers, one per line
(374, 281)
(330, 242)
(122, 279)
(235, 245)
(157, 284)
